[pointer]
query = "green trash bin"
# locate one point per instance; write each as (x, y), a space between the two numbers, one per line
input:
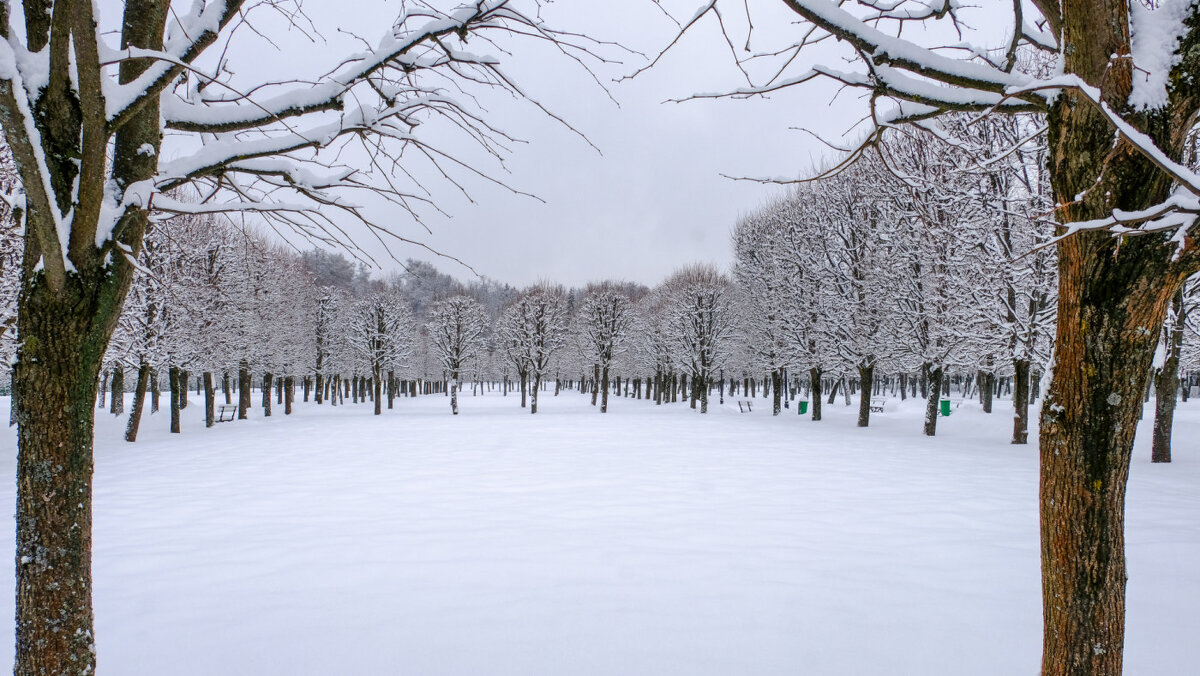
(945, 407)
(803, 407)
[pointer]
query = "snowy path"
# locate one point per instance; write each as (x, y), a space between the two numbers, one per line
(648, 541)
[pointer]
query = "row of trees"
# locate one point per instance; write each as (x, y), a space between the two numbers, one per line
(919, 258)
(829, 290)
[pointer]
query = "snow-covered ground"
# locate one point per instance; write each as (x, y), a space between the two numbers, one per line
(651, 540)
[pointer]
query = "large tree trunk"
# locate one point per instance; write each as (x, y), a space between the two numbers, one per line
(289, 394)
(1089, 417)
(139, 401)
(1113, 297)
(1020, 401)
(866, 376)
(55, 382)
(533, 396)
(1166, 386)
(391, 389)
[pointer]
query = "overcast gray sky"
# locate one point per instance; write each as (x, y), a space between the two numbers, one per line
(655, 200)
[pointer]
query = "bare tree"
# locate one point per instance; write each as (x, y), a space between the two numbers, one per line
(379, 336)
(700, 314)
(458, 331)
(534, 329)
(603, 321)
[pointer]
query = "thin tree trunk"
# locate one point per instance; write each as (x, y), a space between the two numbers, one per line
(933, 377)
(117, 404)
(267, 380)
(154, 391)
(1166, 386)
(815, 376)
(289, 394)
(595, 382)
(210, 400)
(377, 390)
(243, 390)
(139, 401)
(604, 397)
(1020, 401)
(776, 391)
(866, 375)
(174, 386)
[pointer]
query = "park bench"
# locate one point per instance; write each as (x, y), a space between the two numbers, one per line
(226, 410)
(877, 404)
(744, 405)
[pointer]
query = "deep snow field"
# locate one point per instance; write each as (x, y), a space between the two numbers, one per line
(650, 540)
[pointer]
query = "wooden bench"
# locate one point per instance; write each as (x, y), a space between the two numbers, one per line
(877, 404)
(226, 410)
(744, 405)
